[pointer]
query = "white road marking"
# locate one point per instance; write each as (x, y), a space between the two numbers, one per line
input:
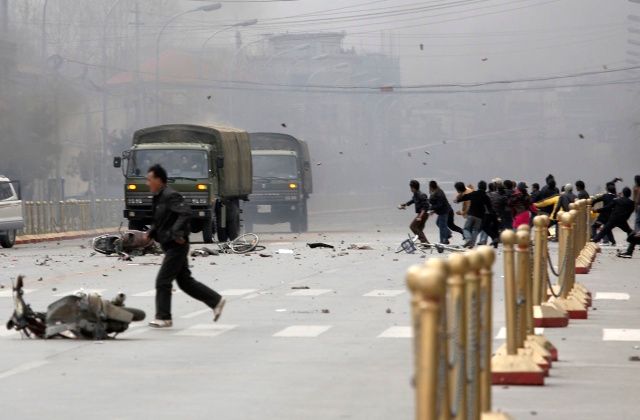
(206, 330)
(303, 331)
(611, 296)
(384, 293)
(237, 292)
(136, 329)
(613, 334)
(252, 296)
(309, 292)
(196, 313)
(9, 292)
(152, 293)
(397, 332)
(148, 293)
(23, 368)
(8, 333)
(73, 292)
(502, 333)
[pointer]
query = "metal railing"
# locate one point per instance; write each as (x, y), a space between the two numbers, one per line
(43, 217)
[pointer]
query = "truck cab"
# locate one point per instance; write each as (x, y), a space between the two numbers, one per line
(11, 212)
(209, 165)
(282, 181)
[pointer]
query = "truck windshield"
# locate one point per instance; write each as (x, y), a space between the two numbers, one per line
(275, 167)
(178, 163)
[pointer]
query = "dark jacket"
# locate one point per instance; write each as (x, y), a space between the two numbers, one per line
(421, 202)
(479, 203)
(519, 202)
(605, 211)
(498, 202)
(583, 195)
(170, 218)
(439, 203)
(621, 209)
(566, 198)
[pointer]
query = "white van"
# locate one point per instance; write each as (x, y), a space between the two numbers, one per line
(11, 219)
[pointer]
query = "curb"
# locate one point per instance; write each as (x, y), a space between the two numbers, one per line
(63, 236)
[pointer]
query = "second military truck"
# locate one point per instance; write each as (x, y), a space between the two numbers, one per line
(209, 165)
(282, 181)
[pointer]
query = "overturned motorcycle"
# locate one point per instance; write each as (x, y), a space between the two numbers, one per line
(126, 244)
(82, 316)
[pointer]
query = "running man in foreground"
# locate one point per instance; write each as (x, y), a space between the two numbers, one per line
(171, 229)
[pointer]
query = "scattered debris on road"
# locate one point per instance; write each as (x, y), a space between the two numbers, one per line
(300, 287)
(204, 252)
(315, 245)
(285, 251)
(361, 247)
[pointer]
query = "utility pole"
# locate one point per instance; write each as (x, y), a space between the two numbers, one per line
(138, 87)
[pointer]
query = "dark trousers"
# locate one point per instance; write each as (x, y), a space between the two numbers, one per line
(594, 232)
(418, 229)
(175, 265)
(451, 224)
(612, 223)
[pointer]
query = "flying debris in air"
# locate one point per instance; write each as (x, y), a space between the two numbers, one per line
(284, 125)
(421, 47)
(581, 136)
(409, 154)
(427, 152)
(485, 59)
(209, 97)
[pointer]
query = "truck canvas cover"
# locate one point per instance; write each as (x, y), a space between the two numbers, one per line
(229, 145)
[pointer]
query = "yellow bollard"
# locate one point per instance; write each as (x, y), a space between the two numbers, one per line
(444, 401)
(511, 366)
(486, 325)
(430, 286)
(545, 315)
(568, 303)
(457, 329)
(472, 307)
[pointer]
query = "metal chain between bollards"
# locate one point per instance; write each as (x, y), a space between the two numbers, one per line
(563, 268)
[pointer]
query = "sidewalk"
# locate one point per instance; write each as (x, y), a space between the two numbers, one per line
(598, 374)
(52, 237)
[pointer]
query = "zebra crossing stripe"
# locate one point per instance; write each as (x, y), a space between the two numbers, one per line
(302, 331)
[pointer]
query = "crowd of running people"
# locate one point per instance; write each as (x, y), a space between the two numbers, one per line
(490, 208)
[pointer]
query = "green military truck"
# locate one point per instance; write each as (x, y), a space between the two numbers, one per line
(209, 165)
(282, 181)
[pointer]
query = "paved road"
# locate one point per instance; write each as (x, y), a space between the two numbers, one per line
(338, 350)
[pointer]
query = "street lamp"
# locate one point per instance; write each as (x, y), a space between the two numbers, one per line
(224, 28)
(205, 8)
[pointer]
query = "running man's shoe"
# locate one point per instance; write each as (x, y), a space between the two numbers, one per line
(624, 255)
(161, 323)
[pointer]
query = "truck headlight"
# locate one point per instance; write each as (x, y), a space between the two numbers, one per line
(293, 186)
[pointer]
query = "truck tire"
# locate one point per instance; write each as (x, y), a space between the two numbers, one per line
(299, 222)
(233, 220)
(221, 231)
(304, 217)
(207, 231)
(8, 239)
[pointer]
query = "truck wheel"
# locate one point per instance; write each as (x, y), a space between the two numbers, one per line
(137, 225)
(207, 231)
(233, 220)
(8, 239)
(299, 222)
(222, 232)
